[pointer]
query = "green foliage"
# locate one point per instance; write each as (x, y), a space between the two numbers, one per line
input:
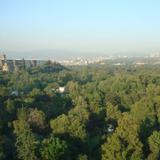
(82, 157)
(2, 141)
(74, 123)
(53, 148)
(36, 119)
(106, 112)
(25, 140)
(125, 142)
(154, 145)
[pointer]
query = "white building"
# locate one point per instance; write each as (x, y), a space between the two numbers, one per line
(61, 89)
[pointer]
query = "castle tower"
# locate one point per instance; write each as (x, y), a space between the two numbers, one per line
(2, 57)
(2, 60)
(5, 67)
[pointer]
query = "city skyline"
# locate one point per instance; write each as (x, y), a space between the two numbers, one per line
(48, 29)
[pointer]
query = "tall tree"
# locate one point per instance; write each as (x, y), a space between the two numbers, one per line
(25, 140)
(53, 148)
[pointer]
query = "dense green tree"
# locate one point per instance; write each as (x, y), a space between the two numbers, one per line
(53, 148)
(124, 144)
(25, 140)
(82, 157)
(10, 107)
(106, 112)
(154, 146)
(2, 141)
(74, 123)
(36, 119)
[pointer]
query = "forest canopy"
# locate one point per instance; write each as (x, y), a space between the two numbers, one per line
(80, 113)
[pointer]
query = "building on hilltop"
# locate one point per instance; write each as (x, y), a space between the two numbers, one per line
(2, 57)
(9, 65)
(2, 60)
(5, 67)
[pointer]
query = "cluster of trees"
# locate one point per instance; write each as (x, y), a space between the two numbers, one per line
(106, 113)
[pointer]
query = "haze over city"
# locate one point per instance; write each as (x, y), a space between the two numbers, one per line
(63, 29)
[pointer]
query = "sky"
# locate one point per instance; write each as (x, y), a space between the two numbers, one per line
(73, 27)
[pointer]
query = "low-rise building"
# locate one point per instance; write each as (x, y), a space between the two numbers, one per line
(61, 89)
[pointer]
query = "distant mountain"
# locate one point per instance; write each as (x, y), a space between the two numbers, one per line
(61, 54)
(44, 54)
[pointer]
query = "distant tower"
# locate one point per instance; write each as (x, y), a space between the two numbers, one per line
(15, 65)
(5, 67)
(23, 64)
(2, 57)
(33, 63)
(2, 60)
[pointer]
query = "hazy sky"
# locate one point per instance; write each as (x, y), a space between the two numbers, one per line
(88, 26)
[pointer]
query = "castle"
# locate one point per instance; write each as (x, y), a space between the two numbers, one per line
(8, 65)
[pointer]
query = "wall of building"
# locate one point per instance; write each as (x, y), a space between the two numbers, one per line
(8, 65)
